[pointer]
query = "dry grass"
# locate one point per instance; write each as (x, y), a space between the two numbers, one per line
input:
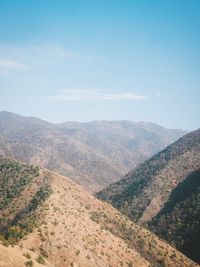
(79, 230)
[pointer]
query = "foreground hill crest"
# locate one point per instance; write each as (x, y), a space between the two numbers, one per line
(71, 227)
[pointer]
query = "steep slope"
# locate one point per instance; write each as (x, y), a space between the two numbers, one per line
(135, 141)
(66, 226)
(18, 257)
(38, 142)
(179, 220)
(142, 193)
(93, 154)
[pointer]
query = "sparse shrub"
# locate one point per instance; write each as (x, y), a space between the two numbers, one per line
(27, 255)
(14, 178)
(43, 252)
(29, 263)
(40, 259)
(130, 264)
(3, 241)
(55, 222)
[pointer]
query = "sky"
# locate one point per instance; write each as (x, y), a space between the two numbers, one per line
(84, 60)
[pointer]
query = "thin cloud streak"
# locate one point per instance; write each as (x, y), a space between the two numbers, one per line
(7, 66)
(96, 95)
(37, 54)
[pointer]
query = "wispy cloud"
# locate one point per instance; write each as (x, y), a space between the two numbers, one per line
(158, 93)
(50, 52)
(96, 95)
(7, 66)
(34, 55)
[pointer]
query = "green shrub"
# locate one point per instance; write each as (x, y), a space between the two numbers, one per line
(40, 259)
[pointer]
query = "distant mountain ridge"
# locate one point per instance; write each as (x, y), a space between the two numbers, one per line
(93, 154)
(142, 193)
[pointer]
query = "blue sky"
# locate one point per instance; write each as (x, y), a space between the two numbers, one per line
(85, 60)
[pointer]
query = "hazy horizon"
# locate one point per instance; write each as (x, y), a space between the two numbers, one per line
(92, 121)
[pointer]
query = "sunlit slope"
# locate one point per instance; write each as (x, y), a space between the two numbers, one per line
(92, 154)
(66, 226)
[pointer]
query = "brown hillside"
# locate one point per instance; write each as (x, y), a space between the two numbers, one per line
(179, 220)
(69, 227)
(142, 193)
(92, 154)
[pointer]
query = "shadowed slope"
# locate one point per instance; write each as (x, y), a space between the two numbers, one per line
(142, 193)
(72, 228)
(179, 220)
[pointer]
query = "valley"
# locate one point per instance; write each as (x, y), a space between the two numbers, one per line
(48, 219)
(92, 154)
(67, 226)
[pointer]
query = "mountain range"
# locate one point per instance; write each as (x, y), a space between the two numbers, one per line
(48, 219)
(93, 154)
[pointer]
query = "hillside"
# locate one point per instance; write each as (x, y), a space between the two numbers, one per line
(93, 154)
(142, 193)
(123, 142)
(51, 221)
(179, 220)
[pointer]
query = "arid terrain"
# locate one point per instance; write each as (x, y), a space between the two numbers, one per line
(92, 154)
(51, 221)
(163, 193)
(142, 192)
